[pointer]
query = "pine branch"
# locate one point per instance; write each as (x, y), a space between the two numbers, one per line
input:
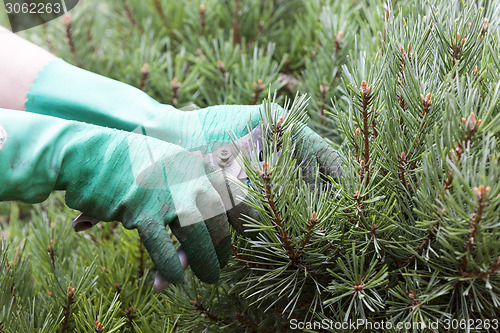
(481, 193)
(275, 213)
(144, 76)
(200, 306)
(236, 23)
(175, 85)
(471, 130)
(50, 251)
(159, 10)
(130, 16)
(202, 19)
(308, 235)
(67, 309)
(69, 36)
(365, 102)
(258, 87)
(129, 313)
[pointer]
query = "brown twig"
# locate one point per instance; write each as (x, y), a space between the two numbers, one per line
(485, 28)
(455, 49)
(365, 102)
(159, 9)
(429, 237)
(202, 19)
(130, 16)
(493, 270)
(175, 86)
(252, 40)
(359, 204)
(481, 193)
(338, 40)
(240, 257)
(471, 130)
(221, 67)
(258, 87)
(50, 251)
(275, 213)
(66, 311)
(69, 34)
(144, 76)
(200, 306)
(310, 228)
(129, 313)
(426, 104)
(402, 166)
(236, 23)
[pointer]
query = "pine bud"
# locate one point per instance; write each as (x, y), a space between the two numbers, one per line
(463, 120)
(220, 65)
(202, 9)
(472, 121)
(357, 131)
(175, 84)
(99, 328)
(323, 89)
(485, 26)
(481, 192)
(145, 69)
(280, 121)
(338, 37)
(364, 87)
(314, 218)
(426, 100)
(66, 19)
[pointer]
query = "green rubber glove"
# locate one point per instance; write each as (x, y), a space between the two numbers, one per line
(65, 91)
(115, 175)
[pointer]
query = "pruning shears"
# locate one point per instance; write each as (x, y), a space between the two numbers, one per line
(223, 158)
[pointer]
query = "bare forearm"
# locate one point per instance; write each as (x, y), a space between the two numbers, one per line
(20, 63)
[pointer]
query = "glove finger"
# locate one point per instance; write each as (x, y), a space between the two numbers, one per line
(218, 228)
(197, 243)
(226, 190)
(157, 241)
(328, 159)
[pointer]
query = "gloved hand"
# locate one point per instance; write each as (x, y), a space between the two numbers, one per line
(114, 175)
(65, 91)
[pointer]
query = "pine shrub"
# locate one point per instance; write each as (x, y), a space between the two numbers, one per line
(408, 93)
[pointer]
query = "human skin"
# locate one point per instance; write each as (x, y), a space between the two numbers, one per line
(20, 63)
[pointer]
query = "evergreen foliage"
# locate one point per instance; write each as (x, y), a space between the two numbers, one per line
(408, 92)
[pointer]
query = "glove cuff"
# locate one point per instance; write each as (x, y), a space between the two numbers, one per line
(65, 91)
